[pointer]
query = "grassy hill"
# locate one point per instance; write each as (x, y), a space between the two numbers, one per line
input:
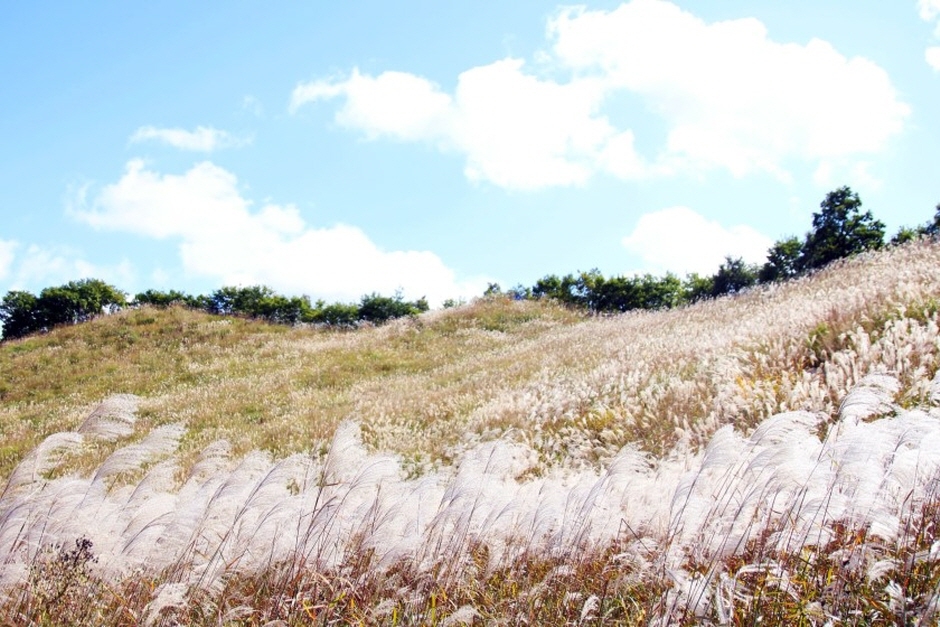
(770, 454)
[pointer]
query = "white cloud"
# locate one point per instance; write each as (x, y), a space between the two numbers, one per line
(7, 254)
(516, 130)
(731, 98)
(221, 238)
(682, 241)
(39, 266)
(928, 9)
(203, 139)
(858, 173)
(933, 57)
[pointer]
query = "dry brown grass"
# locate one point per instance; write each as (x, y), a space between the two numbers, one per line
(257, 385)
(570, 389)
(576, 388)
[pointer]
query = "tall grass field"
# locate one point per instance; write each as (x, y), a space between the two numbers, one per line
(771, 458)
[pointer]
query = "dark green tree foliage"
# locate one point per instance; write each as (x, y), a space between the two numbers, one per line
(733, 276)
(19, 314)
(906, 234)
(378, 309)
(338, 315)
(493, 289)
(930, 229)
(568, 289)
(22, 313)
(260, 301)
(697, 288)
(840, 230)
(783, 261)
(591, 290)
(156, 298)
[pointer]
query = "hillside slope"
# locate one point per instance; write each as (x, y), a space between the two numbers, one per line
(575, 387)
(499, 461)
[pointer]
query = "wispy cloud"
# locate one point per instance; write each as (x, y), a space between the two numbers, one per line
(929, 11)
(222, 238)
(932, 55)
(682, 241)
(202, 139)
(35, 267)
(253, 106)
(7, 253)
(732, 99)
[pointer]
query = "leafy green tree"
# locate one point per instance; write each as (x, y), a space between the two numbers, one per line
(783, 261)
(840, 229)
(378, 309)
(733, 276)
(697, 287)
(932, 228)
(247, 301)
(18, 314)
(659, 292)
(906, 234)
(77, 301)
(338, 314)
(156, 298)
(616, 294)
(569, 289)
(492, 289)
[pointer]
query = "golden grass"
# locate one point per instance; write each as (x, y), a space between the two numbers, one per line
(571, 389)
(576, 388)
(257, 385)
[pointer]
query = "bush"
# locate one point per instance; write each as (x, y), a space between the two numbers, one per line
(22, 313)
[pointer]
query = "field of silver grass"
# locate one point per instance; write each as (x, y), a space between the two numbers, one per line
(798, 483)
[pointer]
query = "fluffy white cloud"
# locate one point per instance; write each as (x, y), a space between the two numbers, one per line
(731, 98)
(516, 130)
(682, 241)
(933, 57)
(222, 238)
(203, 139)
(37, 267)
(929, 9)
(7, 253)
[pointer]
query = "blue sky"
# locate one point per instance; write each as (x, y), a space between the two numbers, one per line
(336, 149)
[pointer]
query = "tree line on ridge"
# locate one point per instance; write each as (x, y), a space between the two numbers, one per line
(840, 229)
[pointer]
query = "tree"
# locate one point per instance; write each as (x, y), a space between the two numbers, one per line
(156, 298)
(733, 276)
(933, 228)
(247, 301)
(840, 229)
(569, 289)
(696, 287)
(339, 314)
(379, 309)
(77, 301)
(783, 261)
(18, 314)
(906, 234)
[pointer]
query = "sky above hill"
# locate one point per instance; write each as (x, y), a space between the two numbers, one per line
(335, 149)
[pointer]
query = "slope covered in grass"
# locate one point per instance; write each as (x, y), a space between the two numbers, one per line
(772, 454)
